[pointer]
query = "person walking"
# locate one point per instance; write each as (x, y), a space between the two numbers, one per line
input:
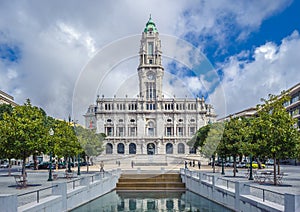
(185, 164)
(199, 164)
(101, 166)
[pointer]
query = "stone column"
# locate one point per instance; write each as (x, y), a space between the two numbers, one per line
(291, 202)
(61, 189)
(9, 202)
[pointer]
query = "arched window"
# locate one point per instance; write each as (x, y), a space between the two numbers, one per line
(181, 148)
(109, 148)
(121, 149)
(132, 148)
(169, 148)
(151, 149)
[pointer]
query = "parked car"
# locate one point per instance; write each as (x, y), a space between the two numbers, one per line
(241, 165)
(29, 165)
(43, 165)
(61, 166)
(229, 164)
(270, 162)
(4, 165)
(255, 165)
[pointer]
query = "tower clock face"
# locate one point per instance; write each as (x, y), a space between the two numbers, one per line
(150, 76)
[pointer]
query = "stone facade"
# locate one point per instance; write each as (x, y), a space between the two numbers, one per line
(7, 99)
(149, 124)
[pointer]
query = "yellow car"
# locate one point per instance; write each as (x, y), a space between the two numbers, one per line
(255, 165)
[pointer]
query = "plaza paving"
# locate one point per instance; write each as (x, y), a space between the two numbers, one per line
(37, 179)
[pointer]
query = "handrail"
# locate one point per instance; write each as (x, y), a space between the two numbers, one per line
(38, 192)
(227, 181)
(73, 182)
(263, 190)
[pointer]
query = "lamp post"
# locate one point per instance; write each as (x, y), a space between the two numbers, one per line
(78, 156)
(250, 174)
(78, 171)
(51, 133)
(223, 171)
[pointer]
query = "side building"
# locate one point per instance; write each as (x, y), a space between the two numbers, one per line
(149, 124)
(292, 107)
(7, 99)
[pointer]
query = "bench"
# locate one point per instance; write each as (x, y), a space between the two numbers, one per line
(20, 181)
(268, 177)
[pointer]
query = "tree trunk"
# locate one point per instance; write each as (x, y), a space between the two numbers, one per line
(213, 164)
(274, 166)
(278, 167)
(234, 166)
(87, 163)
(24, 175)
(9, 167)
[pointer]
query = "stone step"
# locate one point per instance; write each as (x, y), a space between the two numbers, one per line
(150, 182)
(153, 176)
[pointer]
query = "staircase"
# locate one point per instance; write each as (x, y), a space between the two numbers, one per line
(150, 182)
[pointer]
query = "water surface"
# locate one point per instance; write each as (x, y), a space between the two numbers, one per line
(150, 201)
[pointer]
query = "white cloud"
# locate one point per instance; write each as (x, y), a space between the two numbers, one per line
(274, 69)
(57, 38)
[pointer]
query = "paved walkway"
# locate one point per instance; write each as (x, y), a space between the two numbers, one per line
(37, 179)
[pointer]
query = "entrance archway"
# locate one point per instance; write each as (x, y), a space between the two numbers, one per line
(151, 149)
(109, 148)
(132, 148)
(121, 149)
(180, 148)
(169, 148)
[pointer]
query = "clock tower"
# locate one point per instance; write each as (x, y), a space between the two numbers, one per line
(150, 69)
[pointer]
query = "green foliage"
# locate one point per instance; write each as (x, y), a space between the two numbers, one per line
(64, 142)
(207, 138)
(212, 141)
(231, 143)
(275, 129)
(24, 131)
(5, 108)
(90, 142)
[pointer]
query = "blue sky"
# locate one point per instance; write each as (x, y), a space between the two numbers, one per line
(253, 47)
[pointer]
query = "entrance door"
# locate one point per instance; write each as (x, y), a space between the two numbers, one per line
(132, 148)
(151, 149)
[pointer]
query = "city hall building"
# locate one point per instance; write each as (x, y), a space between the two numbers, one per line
(149, 124)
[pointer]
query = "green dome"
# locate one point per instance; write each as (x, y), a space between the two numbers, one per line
(150, 26)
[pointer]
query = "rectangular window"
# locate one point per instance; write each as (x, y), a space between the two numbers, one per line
(132, 131)
(150, 131)
(120, 131)
(192, 131)
(168, 131)
(294, 99)
(180, 131)
(150, 48)
(109, 131)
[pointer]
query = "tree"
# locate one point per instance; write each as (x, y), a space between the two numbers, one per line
(207, 139)
(277, 133)
(5, 108)
(64, 142)
(5, 141)
(24, 132)
(91, 143)
(231, 142)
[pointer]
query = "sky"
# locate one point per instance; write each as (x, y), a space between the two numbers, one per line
(62, 54)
